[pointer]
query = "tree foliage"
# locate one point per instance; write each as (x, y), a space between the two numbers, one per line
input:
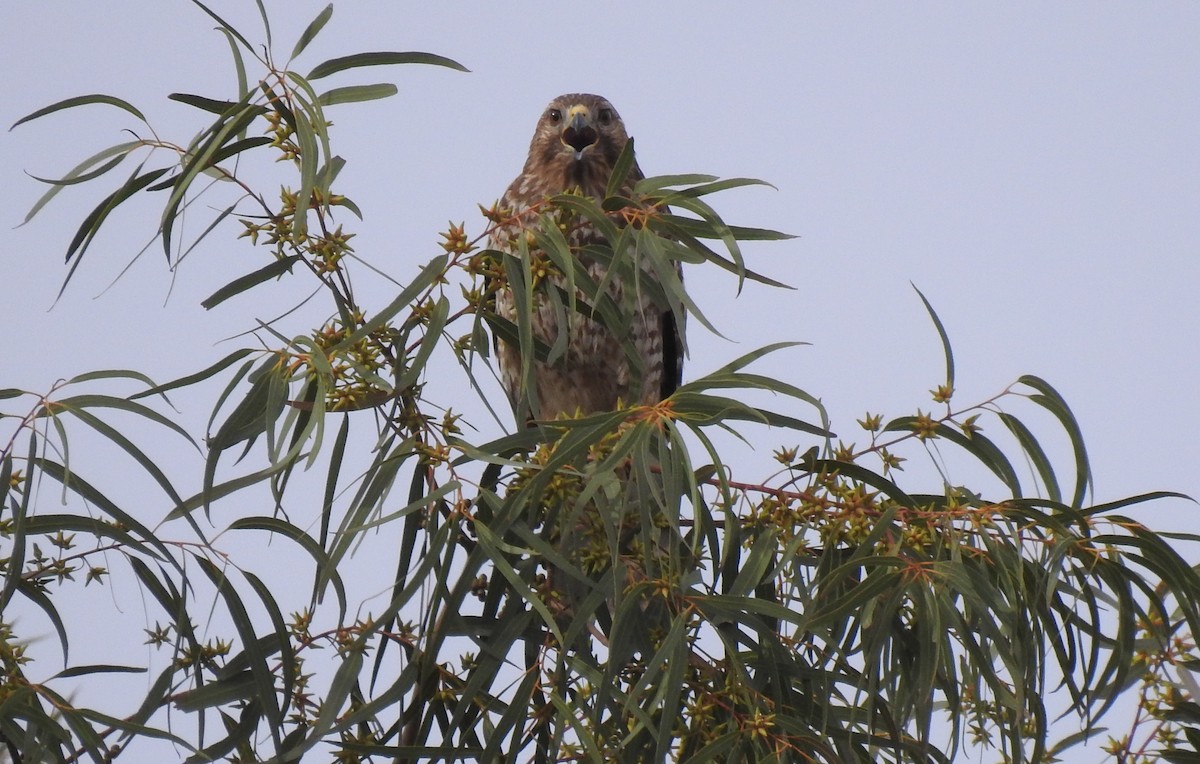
(587, 589)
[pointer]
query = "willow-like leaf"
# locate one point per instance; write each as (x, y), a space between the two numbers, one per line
(35, 594)
(288, 666)
(237, 147)
(122, 523)
(1049, 399)
(86, 737)
(172, 604)
(656, 183)
(73, 179)
(591, 210)
(620, 169)
(200, 156)
(357, 93)
(312, 30)
(700, 229)
(519, 280)
(751, 571)
(118, 438)
(272, 270)
(98, 668)
(432, 270)
(90, 401)
(712, 187)
(84, 100)
(435, 324)
(91, 224)
(493, 546)
(239, 64)
(377, 484)
(210, 105)
(334, 65)
(227, 28)
(215, 491)
(260, 671)
(1033, 450)
(941, 330)
(256, 412)
(230, 689)
(671, 226)
(978, 445)
(305, 542)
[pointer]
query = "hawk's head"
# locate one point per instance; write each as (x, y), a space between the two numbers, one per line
(577, 142)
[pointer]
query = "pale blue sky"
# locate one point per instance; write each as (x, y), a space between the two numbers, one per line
(1032, 167)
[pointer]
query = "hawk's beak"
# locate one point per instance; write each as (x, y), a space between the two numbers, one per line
(579, 133)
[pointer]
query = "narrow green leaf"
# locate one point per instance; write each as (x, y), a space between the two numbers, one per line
(83, 178)
(260, 670)
(132, 728)
(1036, 455)
(381, 59)
(98, 668)
(211, 105)
(124, 528)
(269, 271)
(620, 169)
(712, 187)
(941, 330)
(754, 566)
(860, 474)
(37, 596)
(118, 438)
(415, 366)
(200, 157)
(690, 235)
(702, 230)
(281, 639)
(358, 93)
(71, 103)
(225, 26)
(266, 22)
(1128, 501)
(88, 739)
(237, 147)
(91, 224)
(232, 689)
(308, 125)
(312, 30)
(660, 182)
(1050, 400)
(208, 229)
(256, 411)
(305, 542)
(978, 445)
(199, 376)
(430, 273)
(239, 65)
(122, 404)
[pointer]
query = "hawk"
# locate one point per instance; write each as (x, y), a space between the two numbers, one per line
(574, 149)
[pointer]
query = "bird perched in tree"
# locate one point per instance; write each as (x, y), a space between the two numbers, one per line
(578, 140)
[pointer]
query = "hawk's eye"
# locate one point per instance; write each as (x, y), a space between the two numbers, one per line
(605, 116)
(555, 116)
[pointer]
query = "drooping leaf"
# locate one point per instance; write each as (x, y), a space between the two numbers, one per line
(941, 330)
(70, 103)
(335, 65)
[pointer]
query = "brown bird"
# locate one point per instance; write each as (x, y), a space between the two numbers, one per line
(578, 140)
